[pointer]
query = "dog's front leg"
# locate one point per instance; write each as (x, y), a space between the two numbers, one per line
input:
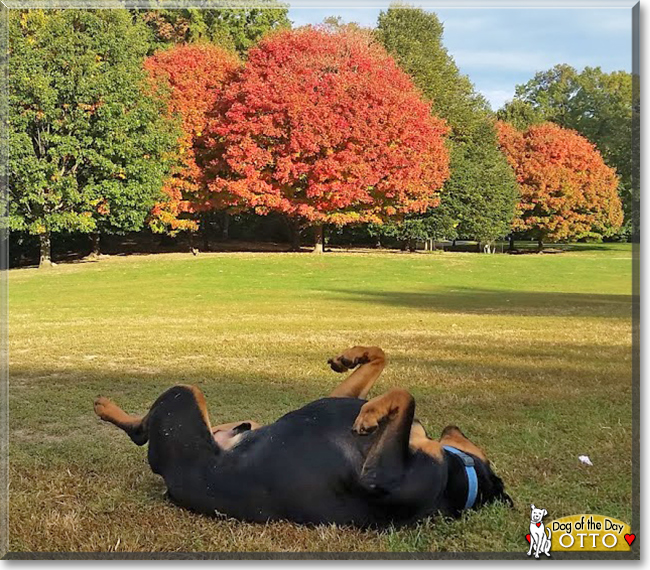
(532, 544)
(370, 360)
(391, 417)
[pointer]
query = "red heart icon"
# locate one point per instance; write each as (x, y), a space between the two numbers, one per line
(539, 524)
(528, 537)
(629, 538)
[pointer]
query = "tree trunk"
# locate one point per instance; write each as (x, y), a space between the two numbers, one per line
(46, 250)
(412, 245)
(294, 233)
(378, 241)
(95, 249)
(511, 244)
(295, 239)
(205, 232)
(318, 239)
(225, 227)
(540, 244)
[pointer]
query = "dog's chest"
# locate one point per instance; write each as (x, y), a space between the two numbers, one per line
(536, 528)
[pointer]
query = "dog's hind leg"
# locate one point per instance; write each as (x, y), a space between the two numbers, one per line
(547, 543)
(181, 449)
(370, 361)
(137, 427)
(134, 426)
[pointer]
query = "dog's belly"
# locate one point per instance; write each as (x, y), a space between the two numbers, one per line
(305, 468)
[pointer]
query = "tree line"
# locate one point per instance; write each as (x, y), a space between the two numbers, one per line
(124, 120)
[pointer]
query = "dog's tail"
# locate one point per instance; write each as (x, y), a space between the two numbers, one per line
(548, 533)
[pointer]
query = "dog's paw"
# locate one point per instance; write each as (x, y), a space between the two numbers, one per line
(349, 359)
(102, 407)
(368, 419)
(343, 364)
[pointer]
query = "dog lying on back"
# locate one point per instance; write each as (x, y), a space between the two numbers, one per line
(340, 459)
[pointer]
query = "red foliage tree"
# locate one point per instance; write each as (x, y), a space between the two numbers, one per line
(324, 127)
(567, 191)
(192, 77)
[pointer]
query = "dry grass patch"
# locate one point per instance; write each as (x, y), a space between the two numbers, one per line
(530, 355)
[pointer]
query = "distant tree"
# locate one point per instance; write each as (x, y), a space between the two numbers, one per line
(596, 104)
(337, 24)
(324, 127)
(88, 144)
(478, 201)
(479, 198)
(236, 29)
(551, 93)
(481, 195)
(567, 191)
(414, 38)
(434, 225)
(191, 79)
(520, 114)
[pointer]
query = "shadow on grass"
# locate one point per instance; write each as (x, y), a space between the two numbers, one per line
(492, 302)
(565, 373)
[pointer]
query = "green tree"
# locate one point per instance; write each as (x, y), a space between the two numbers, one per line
(551, 93)
(596, 104)
(236, 29)
(87, 143)
(414, 38)
(481, 195)
(520, 114)
(434, 226)
(478, 200)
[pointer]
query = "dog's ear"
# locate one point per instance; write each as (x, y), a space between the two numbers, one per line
(545, 513)
(532, 507)
(241, 428)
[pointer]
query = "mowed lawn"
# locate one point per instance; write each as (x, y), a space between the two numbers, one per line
(530, 355)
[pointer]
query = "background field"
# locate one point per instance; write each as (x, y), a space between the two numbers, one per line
(530, 355)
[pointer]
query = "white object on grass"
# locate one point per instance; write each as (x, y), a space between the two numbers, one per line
(585, 459)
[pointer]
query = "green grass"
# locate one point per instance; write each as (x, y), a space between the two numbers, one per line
(530, 355)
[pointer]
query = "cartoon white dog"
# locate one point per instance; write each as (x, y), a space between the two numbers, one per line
(540, 536)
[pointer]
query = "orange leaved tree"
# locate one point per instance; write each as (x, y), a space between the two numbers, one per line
(567, 191)
(322, 126)
(192, 78)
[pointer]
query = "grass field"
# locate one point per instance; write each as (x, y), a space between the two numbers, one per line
(530, 355)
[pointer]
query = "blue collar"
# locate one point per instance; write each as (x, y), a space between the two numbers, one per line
(470, 471)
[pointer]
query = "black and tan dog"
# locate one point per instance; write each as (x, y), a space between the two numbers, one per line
(339, 460)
